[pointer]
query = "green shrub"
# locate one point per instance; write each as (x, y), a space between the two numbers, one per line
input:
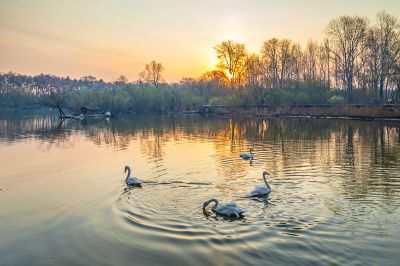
(214, 101)
(335, 99)
(302, 98)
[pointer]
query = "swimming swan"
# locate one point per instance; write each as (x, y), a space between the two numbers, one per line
(230, 209)
(260, 191)
(246, 156)
(131, 181)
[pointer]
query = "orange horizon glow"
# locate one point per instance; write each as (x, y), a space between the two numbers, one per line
(106, 40)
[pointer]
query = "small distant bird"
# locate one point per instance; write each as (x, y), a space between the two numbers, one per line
(229, 209)
(131, 181)
(246, 156)
(260, 191)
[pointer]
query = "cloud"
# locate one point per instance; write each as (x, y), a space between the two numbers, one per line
(63, 42)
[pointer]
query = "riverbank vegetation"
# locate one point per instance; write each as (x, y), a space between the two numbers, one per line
(357, 62)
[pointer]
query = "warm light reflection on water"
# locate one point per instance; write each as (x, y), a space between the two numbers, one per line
(335, 198)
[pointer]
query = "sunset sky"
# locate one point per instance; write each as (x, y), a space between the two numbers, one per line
(111, 38)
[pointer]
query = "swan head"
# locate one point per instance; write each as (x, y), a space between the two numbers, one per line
(265, 173)
(127, 168)
(205, 204)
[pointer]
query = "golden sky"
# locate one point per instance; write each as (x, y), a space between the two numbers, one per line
(111, 38)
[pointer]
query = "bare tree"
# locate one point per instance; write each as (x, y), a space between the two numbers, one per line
(284, 60)
(395, 80)
(232, 58)
(152, 73)
(57, 98)
(270, 57)
(255, 79)
(121, 80)
(213, 82)
(324, 62)
(383, 43)
(297, 56)
(281, 60)
(347, 35)
(310, 61)
(217, 76)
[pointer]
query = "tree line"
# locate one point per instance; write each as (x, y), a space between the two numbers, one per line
(357, 61)
(355, 58)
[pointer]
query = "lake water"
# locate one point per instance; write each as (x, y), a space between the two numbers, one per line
(335, 191)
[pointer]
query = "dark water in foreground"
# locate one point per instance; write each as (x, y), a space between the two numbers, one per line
(63, 201)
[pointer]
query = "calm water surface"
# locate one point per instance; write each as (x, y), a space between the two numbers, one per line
(63, 201)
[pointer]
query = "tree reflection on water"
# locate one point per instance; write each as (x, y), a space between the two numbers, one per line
(322, 143)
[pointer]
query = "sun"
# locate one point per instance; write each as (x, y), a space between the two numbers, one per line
(212, 59)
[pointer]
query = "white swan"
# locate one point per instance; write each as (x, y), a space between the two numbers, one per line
(230, 209)
(246, 156)
(260, 191)
(131, 181)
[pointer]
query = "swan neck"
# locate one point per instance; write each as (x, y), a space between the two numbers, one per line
(265, 180)
(129, 173)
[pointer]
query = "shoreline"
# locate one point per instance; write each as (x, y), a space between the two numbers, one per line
(341, 118)
(341, 112)
(347, 112)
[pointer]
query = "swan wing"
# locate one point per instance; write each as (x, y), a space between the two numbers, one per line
(245, 156)
(231, 204)
(137, 180)
(260, 191)
(254, 193)
(265, 190)
(230, 209)
(237, 211)
(228, 212)
(133, 181)
(225, 208)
